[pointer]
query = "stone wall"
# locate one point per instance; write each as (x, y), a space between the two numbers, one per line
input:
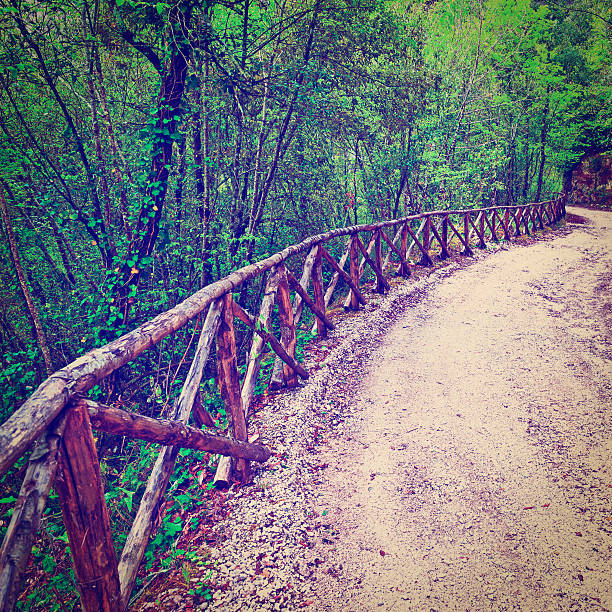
(591, 181)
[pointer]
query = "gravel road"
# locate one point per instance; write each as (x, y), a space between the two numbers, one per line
(451, 450)
(477, 471)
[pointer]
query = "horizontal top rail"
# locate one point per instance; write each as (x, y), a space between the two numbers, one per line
(29, 422)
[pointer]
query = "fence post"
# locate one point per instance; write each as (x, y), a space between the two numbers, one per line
(481, 228)
(287, 326)
(85, 514)
(404, 268)
(354, 270)
(444, 235)
(426, 241)
(318, 291)
(466, 234)
(380, 287)
(494, 226)
(228, 379)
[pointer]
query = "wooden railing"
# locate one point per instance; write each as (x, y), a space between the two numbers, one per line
(58, 419)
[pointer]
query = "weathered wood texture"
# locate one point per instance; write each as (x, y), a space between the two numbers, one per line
(85, 515)
(318, 304)
(138, 537)
(275, 345)
(381, 282)
(169, 433)
(287, 328)
(257, 344)
(27, 513)
(317, 309)
(228, 379)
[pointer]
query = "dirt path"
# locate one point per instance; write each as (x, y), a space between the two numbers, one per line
(451, 450)
(475, 470)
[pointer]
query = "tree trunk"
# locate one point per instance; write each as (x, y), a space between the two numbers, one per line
(543, 134)
(33, 310)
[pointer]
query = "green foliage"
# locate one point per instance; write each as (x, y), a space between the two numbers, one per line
(396, 107)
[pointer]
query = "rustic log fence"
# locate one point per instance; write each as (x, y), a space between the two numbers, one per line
(58, 419)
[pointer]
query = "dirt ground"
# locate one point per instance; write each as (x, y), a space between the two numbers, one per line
(474, 470)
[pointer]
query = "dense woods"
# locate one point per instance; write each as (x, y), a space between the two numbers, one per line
(150, 148)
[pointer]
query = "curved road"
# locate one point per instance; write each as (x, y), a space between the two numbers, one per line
(477, 475)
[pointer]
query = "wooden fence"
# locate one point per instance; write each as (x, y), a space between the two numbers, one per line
(58, 419)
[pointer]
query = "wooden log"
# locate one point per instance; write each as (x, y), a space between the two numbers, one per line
(444, 238)
(347, 279)
(85, 515)
(506, 225)
(169, 433)
(228, 379)
(305, 279)
(481, 241)
(27, 513)
(442, 241)
(354, 271)
(318, 304)
(426, 257)
(316, 309)
(275, 345)
(381, 281)
(426, 237)
(257, 345)
(138, 537)
(403, 263)
(336, 276)
(396, 237)
(191, 386)
(466, 233)
(458, 234)
(223, 474)
(404, 253)
(381, 284)
(288, 338)
(362, 264)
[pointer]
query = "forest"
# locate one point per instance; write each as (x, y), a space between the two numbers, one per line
(150, 148)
